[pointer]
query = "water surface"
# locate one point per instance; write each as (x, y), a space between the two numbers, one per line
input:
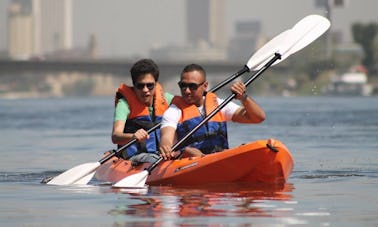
(334, 181)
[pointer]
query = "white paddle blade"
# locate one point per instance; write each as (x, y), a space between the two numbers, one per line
(85, 180)
(290, 41)
(137, 180)
(80, 174)
(305, 32)
(265, 53)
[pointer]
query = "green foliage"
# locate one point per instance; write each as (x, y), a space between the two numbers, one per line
(365, 35)
(375, 53)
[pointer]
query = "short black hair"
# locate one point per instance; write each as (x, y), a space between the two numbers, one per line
(194, 67)
(142, 67)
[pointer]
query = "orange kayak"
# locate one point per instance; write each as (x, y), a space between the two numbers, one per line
(252, 162)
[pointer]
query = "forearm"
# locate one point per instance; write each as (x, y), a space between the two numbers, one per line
(167, 137)
(122, 138)
(249, 112)
(253, 112)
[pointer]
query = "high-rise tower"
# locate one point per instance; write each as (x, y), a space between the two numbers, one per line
(53, 25)
(20, 29)
(206, 22)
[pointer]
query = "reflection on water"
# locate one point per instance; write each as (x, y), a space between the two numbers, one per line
(221, 200)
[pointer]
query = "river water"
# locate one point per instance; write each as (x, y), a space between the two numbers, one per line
(334, 141)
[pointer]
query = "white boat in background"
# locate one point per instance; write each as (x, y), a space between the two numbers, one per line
(350, 83)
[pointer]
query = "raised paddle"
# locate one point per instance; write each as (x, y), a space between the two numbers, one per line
(279, 48)
(83, 173)
(303, 33)
(292, 40)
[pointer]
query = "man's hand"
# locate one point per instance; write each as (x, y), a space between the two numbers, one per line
(166, 152)
(239, 89)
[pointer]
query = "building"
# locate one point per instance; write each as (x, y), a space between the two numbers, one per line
(206, 22)
(206, 34)
(53, 25)
(20, 30)
(39, 27)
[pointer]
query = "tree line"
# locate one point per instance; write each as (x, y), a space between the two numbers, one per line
(367, 36)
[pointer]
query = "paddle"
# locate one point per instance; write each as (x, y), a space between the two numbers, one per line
(83, 173)
(299, 36)
(303, 33)
(282, 46)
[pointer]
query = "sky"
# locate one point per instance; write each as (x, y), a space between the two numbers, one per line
(126, 28)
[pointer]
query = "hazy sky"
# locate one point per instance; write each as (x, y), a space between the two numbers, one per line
(127, 28)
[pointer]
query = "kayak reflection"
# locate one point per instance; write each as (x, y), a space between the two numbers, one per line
(231, 199)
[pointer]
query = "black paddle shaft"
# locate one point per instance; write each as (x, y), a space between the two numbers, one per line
(276, 57)
(231, 78)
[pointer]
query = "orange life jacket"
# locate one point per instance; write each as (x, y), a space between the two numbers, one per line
(140, 117)
(212, 136)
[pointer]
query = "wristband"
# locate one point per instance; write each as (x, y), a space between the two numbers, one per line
(244, 97)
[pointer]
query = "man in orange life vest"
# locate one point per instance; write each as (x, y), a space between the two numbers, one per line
(137, 109)
(189, 109)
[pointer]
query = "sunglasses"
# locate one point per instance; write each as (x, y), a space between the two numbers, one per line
(191, 86)
(140, 86)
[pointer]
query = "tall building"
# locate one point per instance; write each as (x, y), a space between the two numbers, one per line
(20, 29)
(39, 27)
(53, 25)
(206, 22)
(206, 34)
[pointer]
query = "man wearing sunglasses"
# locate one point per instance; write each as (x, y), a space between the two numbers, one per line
(189, 109)
(139, 108)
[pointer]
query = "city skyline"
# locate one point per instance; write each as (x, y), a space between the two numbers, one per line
(125, 29)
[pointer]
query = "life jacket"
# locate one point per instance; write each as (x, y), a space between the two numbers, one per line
(140, 117)
(212, 136)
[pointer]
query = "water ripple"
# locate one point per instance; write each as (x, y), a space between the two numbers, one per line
(25, 176)
(332, 174)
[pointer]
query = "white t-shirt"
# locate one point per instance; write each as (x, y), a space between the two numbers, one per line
(172, 115)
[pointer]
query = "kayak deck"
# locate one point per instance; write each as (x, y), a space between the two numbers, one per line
(252, 162)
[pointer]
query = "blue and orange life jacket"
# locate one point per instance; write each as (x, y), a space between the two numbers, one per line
(212, 136)
(140, 117)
